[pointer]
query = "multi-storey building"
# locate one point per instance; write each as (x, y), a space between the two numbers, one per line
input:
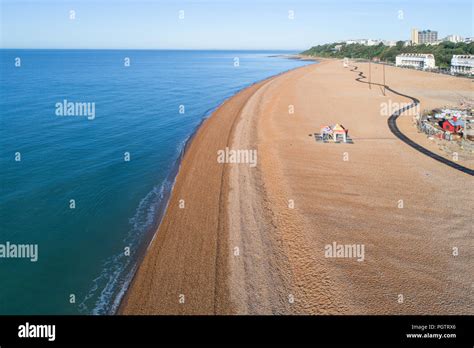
(462, 64)
(416, 60)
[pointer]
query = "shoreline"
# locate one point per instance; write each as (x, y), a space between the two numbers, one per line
(171, 178)
(191, 257)
(157, 233)
(149, 236)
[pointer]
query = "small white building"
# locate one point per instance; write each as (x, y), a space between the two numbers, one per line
(389, 43)
(454, 38)
(371, 42)
(365, 42)
(421, 61)
(462, 64)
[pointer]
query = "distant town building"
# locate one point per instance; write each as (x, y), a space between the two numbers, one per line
(427, 36)
(371, 42)
(462, 64)
(423, 37)
(414, 36)
(453, 38)
(365, 42)
(358, 41)
(468, 40)
(416, 60)
(389, 43)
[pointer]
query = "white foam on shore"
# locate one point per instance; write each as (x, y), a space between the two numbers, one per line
(118, 270)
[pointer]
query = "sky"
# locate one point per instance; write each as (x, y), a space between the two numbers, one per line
(223, 24)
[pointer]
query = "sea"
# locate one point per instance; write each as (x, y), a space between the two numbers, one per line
(90, 144)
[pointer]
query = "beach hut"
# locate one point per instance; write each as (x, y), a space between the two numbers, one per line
(454, 125)
(326, 132)
(339, 130)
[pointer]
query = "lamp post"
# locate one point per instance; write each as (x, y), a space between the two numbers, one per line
(370, 77)
(383, 67)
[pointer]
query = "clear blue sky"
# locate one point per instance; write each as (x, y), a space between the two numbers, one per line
(222, 24)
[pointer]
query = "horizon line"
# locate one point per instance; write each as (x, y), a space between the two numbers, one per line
(154, 49)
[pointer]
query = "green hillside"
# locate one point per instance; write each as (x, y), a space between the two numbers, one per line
(442, 52)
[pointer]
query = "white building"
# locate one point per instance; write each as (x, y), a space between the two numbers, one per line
(416, 60)
(462, 64)
(365, 42)
(453, 38)
(371, 42)
(389, 43)
(357, 41)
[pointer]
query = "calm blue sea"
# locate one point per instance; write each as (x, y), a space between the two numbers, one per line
(82, 267)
